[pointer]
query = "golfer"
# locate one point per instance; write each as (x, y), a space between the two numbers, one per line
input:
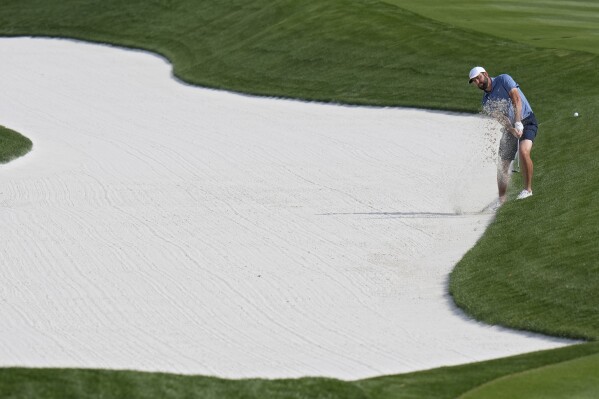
(503, 99)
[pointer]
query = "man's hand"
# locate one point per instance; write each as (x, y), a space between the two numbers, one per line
(516, 133)
(518, 129)
(519, 126)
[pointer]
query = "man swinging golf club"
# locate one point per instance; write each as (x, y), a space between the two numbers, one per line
(503, 99)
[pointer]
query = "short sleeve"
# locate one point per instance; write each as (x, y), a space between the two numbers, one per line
(508, 82)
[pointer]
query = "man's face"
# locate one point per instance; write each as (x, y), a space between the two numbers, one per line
(482, 81)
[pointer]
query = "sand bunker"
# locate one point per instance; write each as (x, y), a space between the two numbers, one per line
(158, 226)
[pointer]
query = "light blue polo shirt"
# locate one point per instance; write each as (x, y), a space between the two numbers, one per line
(499, 97)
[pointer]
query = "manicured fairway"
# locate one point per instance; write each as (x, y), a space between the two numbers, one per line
(572, 25)
(576, 378)
(537, 266)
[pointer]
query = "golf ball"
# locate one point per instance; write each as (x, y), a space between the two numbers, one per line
(575, 113)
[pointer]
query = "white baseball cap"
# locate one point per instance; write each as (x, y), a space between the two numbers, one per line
(474, 72)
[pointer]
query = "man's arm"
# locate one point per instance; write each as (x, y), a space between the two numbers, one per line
(515, 97)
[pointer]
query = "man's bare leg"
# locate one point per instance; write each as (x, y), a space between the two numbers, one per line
(526, 164)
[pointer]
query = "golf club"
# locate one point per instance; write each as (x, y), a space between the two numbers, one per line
(516, 163)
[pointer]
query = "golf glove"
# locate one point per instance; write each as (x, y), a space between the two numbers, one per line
(519, 126)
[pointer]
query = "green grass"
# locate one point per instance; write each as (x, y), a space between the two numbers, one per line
(12, 145)
(570, 24)
(452, 382)
(536, 267)
(447, 382)
(578, 378)
(359, 52)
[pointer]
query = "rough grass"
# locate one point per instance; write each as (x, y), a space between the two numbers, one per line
(359, 52)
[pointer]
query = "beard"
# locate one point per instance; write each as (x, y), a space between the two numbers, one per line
(484, 85)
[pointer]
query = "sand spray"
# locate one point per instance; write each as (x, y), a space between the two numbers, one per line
(497, 120)
(493, 126)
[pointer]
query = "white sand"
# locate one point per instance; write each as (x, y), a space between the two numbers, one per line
(157, 226)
